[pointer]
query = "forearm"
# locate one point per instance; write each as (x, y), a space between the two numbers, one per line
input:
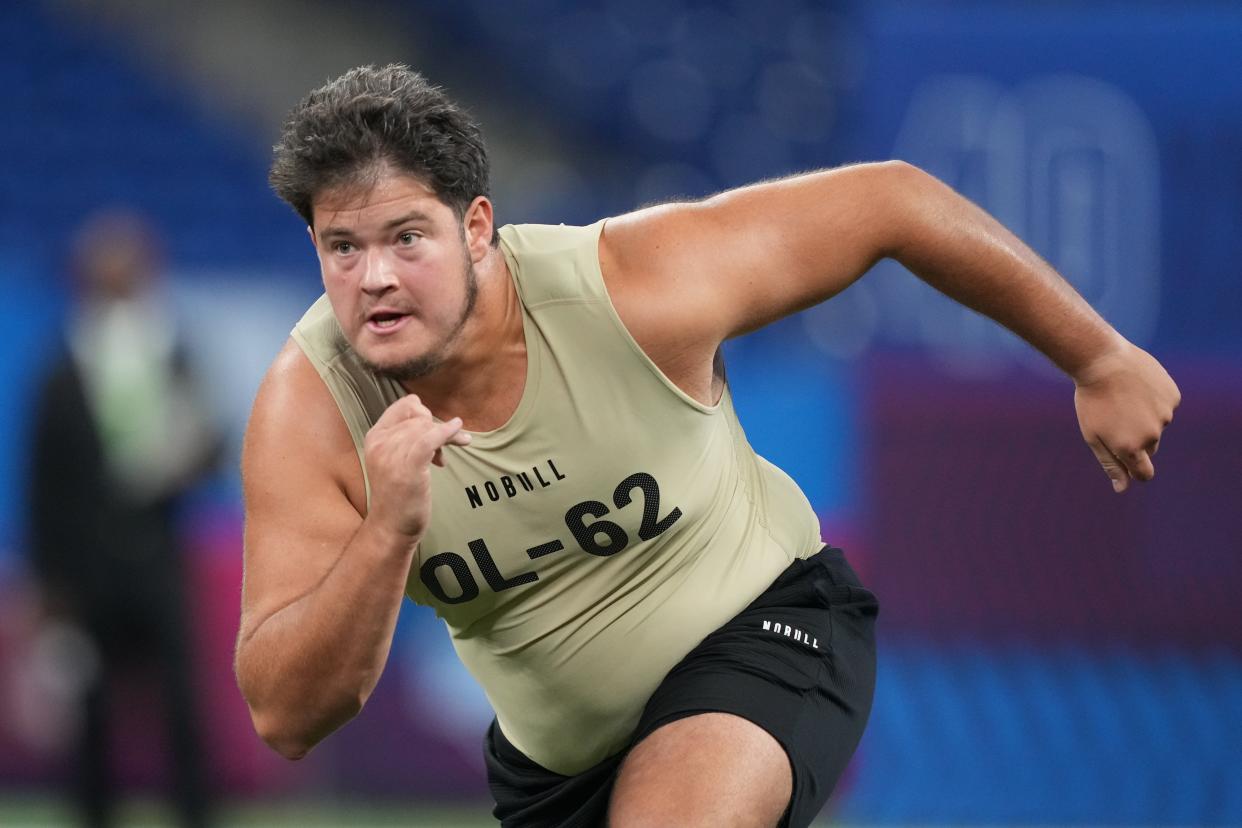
(964, 253)
(309, 667)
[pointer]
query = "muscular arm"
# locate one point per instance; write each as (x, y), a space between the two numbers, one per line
(323, 585)
(685, 277)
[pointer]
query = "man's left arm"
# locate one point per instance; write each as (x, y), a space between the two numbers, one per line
(687, 276)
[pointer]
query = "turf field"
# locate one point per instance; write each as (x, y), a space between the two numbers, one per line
(23, 812)
(44, 812)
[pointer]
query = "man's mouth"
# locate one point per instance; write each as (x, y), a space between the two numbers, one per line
(386, 321)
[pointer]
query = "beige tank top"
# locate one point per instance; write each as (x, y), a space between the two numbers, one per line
(579, 551)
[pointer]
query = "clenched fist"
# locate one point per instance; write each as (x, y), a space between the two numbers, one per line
(399, 450)
(1124, 400)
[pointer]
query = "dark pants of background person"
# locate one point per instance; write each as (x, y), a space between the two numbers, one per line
(141, 632)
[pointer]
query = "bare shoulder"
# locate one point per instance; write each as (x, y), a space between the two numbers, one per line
(651, 275)
(295, 423)
(690, 275)
(646, 250)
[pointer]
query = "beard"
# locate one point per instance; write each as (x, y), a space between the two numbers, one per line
(420, 366)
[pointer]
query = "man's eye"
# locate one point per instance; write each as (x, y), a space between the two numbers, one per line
(343, 247)
(407, 238)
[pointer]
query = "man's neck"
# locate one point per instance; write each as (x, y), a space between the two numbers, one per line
(484, 374)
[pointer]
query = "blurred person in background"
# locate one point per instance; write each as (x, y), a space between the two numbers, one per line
(514, 393)
(120, 435)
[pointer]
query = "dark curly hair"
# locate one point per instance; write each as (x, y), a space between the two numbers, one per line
(345, 130)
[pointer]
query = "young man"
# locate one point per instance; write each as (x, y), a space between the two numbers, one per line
(530, 431)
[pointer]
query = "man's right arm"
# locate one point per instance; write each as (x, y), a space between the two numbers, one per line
(323, 584)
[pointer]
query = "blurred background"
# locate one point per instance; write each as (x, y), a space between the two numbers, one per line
(1050, 653)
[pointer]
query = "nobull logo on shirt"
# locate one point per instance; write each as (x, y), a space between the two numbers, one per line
(510, 485)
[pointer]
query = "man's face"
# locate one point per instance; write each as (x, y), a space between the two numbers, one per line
(397, 269)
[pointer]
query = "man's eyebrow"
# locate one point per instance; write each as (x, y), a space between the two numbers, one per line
(413, 215)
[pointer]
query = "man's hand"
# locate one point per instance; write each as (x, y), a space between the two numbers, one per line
(1124, 400)
(400, 449)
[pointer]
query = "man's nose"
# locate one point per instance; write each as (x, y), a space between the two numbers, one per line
(380, 275)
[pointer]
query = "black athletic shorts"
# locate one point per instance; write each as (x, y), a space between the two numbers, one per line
(799, 662)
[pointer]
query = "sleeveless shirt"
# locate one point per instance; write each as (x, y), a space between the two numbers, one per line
(579, 551)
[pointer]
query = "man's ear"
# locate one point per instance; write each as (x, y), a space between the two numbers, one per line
(477, 224)
(310, 231)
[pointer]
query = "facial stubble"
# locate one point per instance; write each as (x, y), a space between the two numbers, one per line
(424, 364)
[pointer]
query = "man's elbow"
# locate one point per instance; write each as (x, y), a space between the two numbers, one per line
(282, 738)
(293, 714)
(898, 166)
(293, 739)
(903, 183)
(902, 196)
